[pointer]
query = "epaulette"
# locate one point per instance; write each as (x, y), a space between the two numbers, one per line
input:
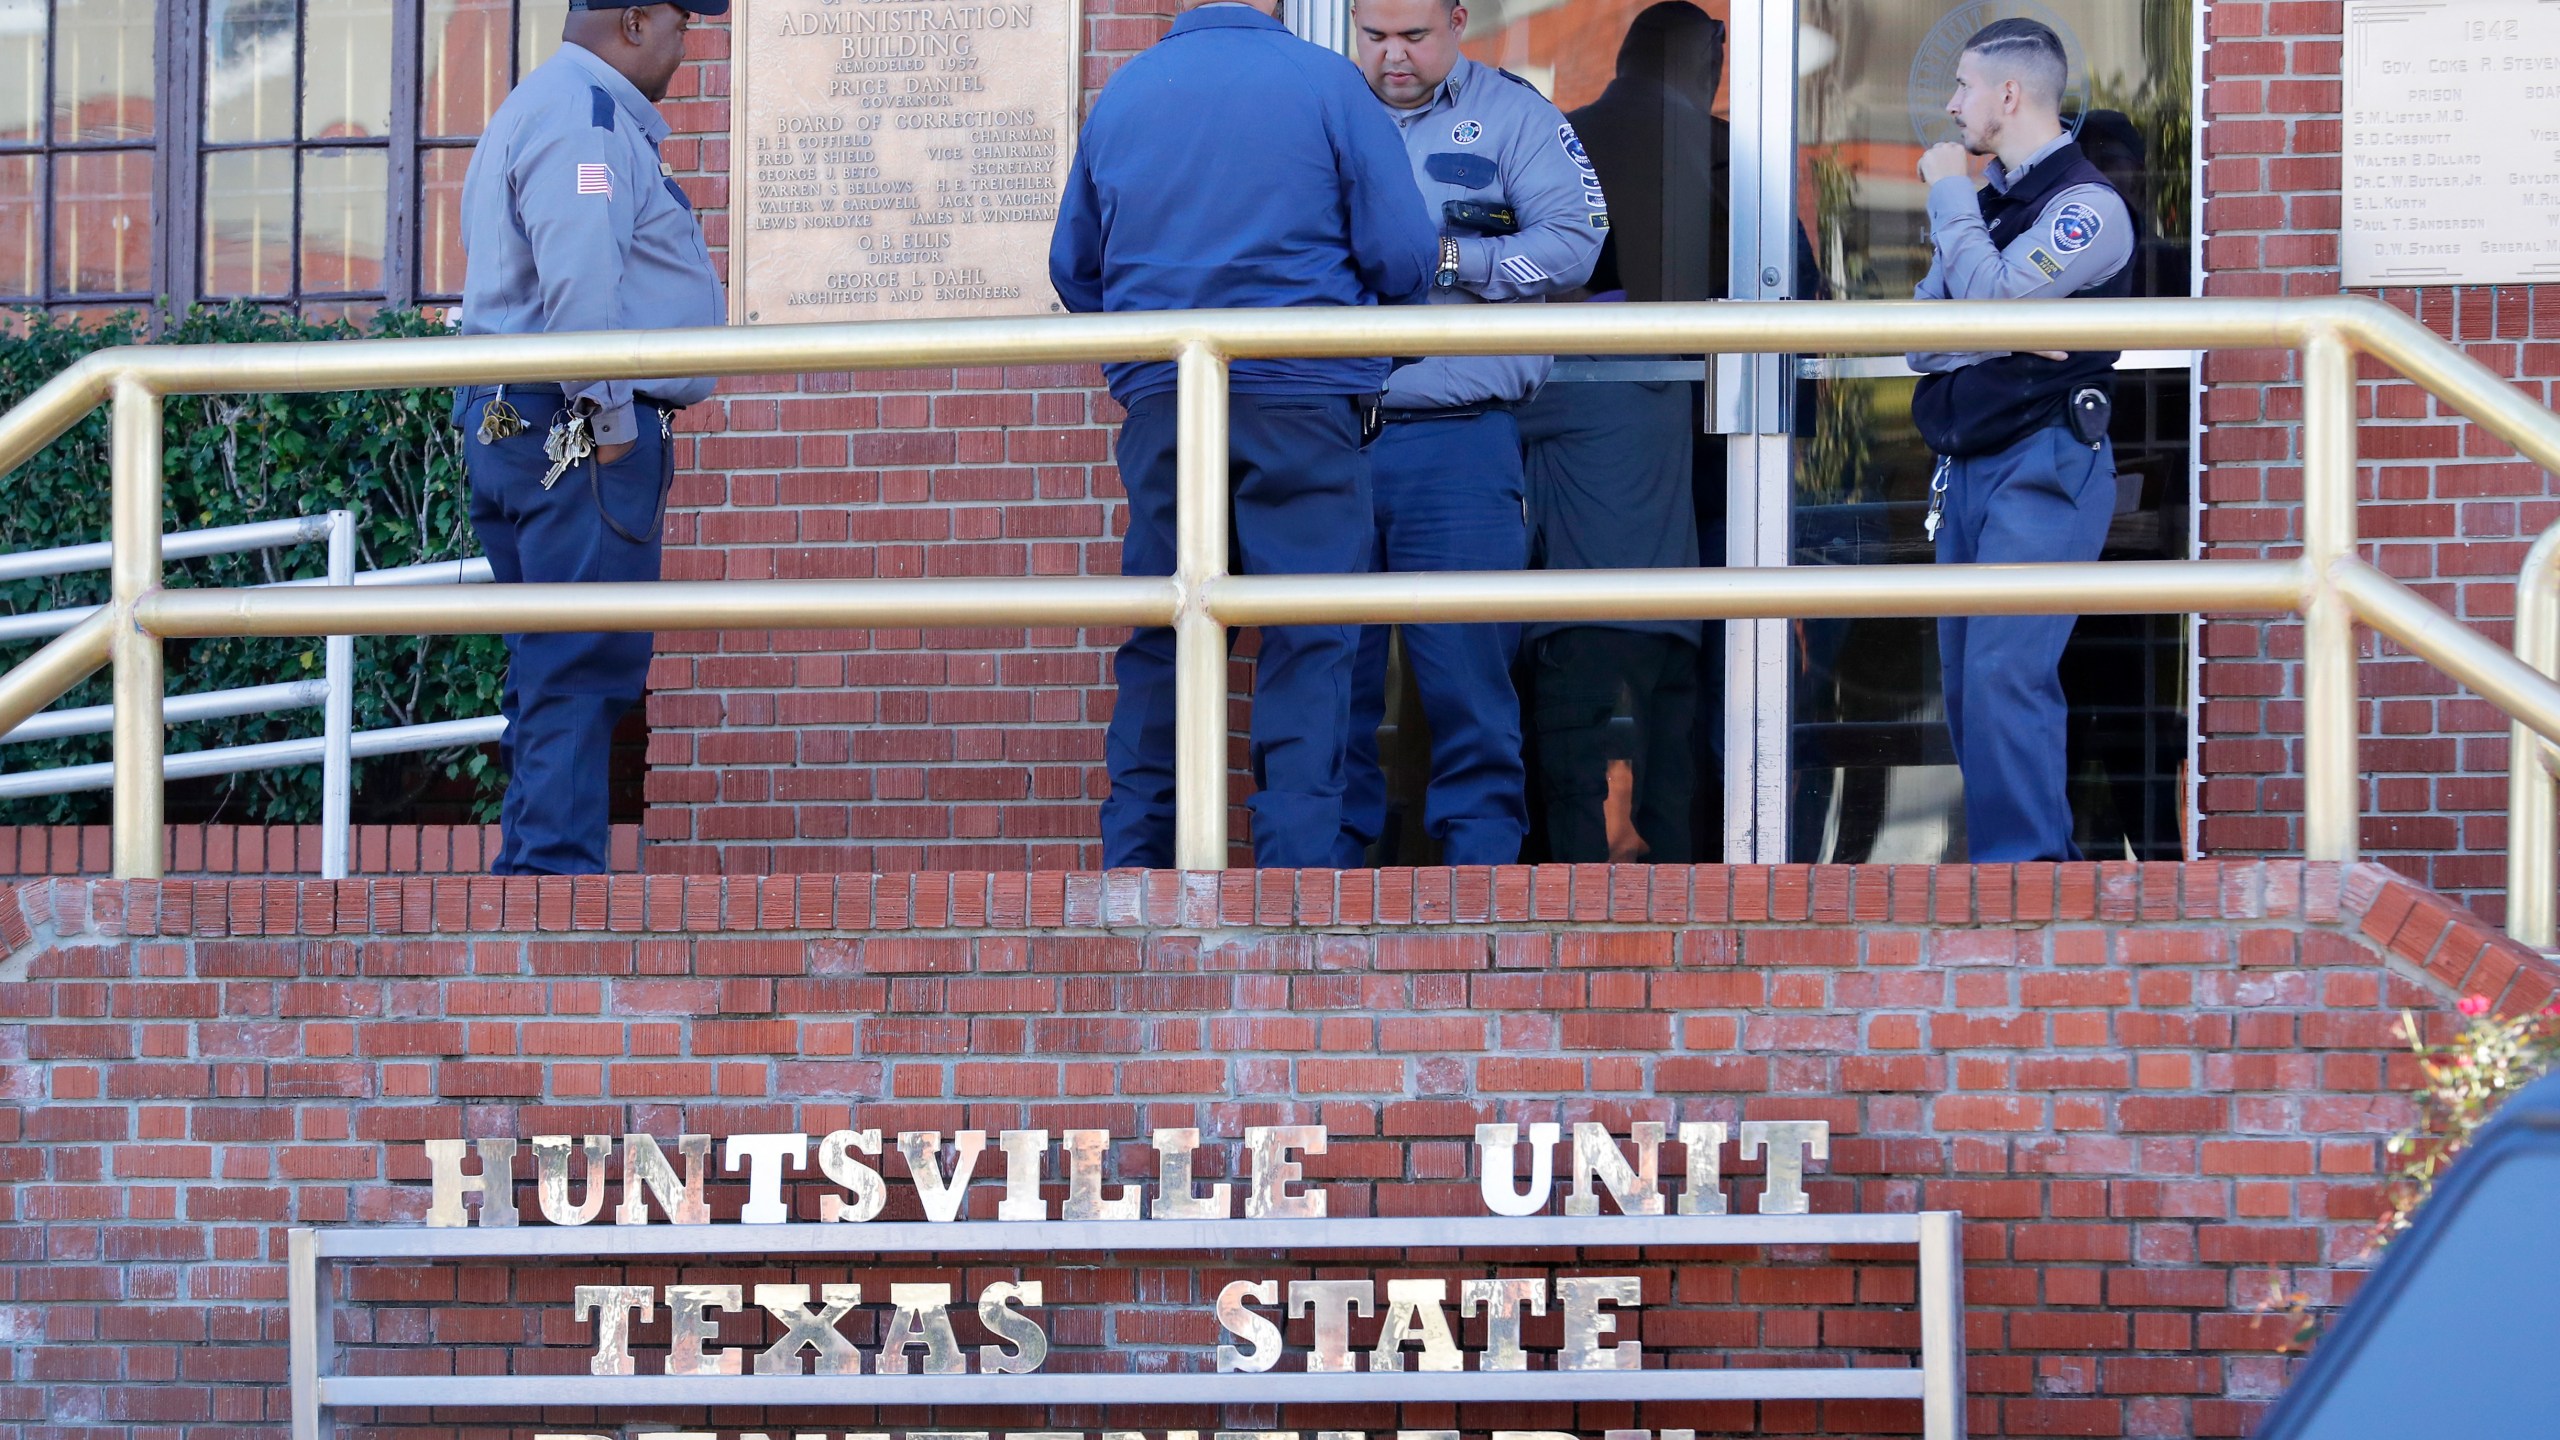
(601, 107)
(1523, 84)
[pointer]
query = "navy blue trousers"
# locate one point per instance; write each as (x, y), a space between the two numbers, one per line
(1448, 498)
(564, 692)
(2046, 497)
(1300, 505)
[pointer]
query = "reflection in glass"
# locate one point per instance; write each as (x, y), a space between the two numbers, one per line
(345, 80)
(343, 194)
(463, 74)
(22, 27)
(248, 70)
(21, 242)
(102, 70)
(248, 224)
(102, 223)
(440, 221)
(538, 30)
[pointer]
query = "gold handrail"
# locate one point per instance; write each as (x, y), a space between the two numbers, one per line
(2327, 584)
(2533, 766)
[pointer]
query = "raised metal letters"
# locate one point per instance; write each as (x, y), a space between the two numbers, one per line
(836, 1162)
(1331, 1303)
(690, 1328)
(1788, 1143)
(995, 1311)
(766, 1156)
(1413, 1312)
(923, 1151)
(810, 1329)
(1084, 1181)
(1274, 1172)
(551, 1178)
(1585, 1323)
(444, 1174)
(923, 1318)
(1635, 1189)
(645, 1168)
(1705, 1193)
(612, 1306)
(1174, 1198)
(1261, 1337)
(1502, 1300)
(1023, 1152)
(1500, 1181)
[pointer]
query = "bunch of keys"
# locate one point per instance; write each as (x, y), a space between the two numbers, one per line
(569, 442)
(500, 420)
(1937, 501)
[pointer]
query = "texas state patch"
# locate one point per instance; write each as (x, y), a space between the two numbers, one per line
(2075, 228)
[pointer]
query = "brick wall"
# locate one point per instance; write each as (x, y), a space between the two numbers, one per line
(2445, 506)
(827, 751)
(2158, 1093)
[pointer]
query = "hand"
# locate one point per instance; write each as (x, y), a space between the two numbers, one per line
(1945, 160)
(610, 454)
(2050, 354)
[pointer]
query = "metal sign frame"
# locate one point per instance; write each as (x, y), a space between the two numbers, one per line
(1937, 1382)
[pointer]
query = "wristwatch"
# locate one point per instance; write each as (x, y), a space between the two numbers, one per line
(1448, 272)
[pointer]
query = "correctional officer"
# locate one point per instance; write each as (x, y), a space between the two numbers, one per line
(2025, 471)
(1234, 164)
(570, 222)
(1520, 216)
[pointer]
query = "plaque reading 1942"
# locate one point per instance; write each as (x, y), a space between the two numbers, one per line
(2452, 142)
(897, 159)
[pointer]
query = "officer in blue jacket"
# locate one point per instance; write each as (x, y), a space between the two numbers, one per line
(2025, 470)
(1233, 164)
(570, 222)
(1520, 216)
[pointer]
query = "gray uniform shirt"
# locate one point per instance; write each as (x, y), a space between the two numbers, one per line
(1487, 137)
(569, 223)
(1965, 265)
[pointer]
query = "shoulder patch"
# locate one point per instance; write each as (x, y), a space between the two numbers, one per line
(1592, 199)
(2051, 267)
(600, 107)
(2075, 227)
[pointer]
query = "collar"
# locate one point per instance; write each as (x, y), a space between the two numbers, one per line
(2003, 178)
(1461, 77)
(625, 94)
(1224, 15)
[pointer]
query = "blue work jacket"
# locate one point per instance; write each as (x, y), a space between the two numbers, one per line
(1236, 165)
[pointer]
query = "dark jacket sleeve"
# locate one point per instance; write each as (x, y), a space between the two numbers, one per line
(1075, 245)
(1393, 243)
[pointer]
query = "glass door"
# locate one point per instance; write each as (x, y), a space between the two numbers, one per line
(1766, 151)
(1871, 774)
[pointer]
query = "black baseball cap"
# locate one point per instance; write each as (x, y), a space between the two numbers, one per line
(698, 7)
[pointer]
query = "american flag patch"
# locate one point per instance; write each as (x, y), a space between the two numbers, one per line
(595, 180)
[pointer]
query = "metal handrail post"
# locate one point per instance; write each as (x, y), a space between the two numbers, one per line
(1942, 1341)
(2329, 781)
(2533, 794)
(1199, 639)
(338, 718)
(134, 531)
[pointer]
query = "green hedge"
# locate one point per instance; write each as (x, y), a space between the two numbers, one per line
(391, 456)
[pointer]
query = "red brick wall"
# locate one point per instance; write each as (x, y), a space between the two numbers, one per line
(830, 751)
(2445, 506)
(2156, 1092)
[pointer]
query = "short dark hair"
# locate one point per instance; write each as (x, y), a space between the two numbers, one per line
(2031, 49)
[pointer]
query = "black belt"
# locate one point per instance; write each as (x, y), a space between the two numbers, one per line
(1394, 416)
(553, 391)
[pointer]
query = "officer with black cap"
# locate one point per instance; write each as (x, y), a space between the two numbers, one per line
(2025, 471)
(571, 222)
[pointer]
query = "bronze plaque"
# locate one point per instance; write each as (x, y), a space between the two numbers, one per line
(890, 160)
